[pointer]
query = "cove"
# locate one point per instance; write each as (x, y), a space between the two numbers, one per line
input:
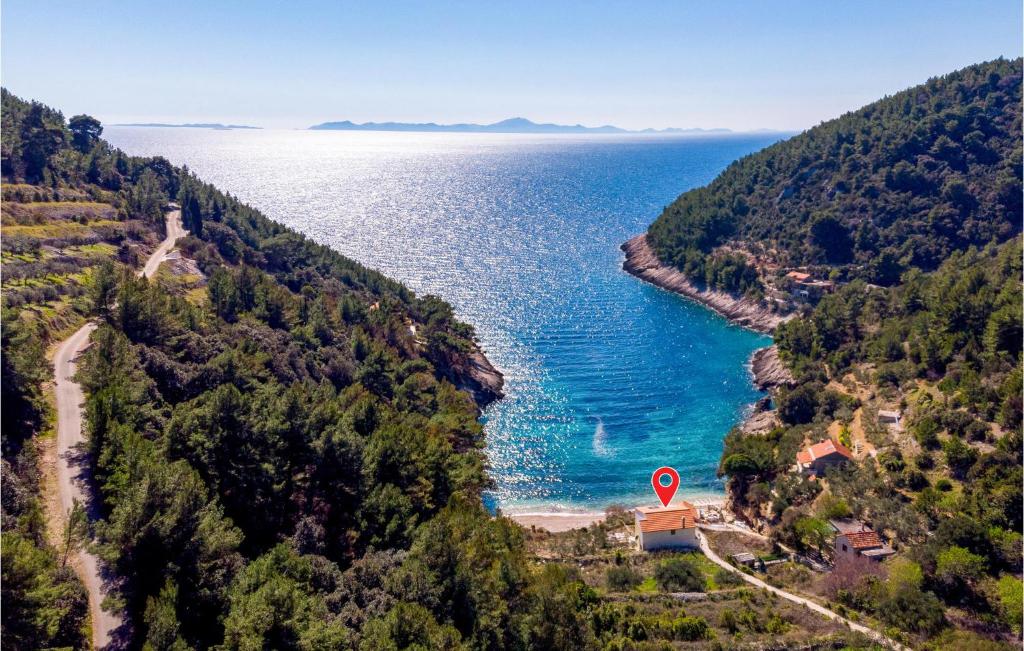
(607, 377)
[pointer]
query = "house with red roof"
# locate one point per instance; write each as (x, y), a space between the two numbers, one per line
(807, 285)
(855, 538)
(814, 459)
(669, 527)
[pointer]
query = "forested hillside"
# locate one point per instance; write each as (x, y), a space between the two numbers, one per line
(938, 350)
(901, 183)
(281, 459)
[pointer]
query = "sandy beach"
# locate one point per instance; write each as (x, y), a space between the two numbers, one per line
(567, 521)
(556, 522)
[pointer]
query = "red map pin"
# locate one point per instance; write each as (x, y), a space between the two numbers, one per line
(665, 493)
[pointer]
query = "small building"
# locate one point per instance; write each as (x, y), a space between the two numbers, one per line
(854, 538)
(814, 459)
(670, 527)
(890, 418)
(805, 284)
(744, 558)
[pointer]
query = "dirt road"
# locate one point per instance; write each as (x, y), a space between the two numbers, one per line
(821, 610)
(72, 467)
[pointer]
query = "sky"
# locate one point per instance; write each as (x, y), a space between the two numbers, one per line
(784, 65)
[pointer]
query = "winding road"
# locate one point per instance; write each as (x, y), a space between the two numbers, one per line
(818, 608)
(72, 467)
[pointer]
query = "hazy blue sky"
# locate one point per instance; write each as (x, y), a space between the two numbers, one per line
(713, 63)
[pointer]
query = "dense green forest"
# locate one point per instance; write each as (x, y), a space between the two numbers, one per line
(901, 183)
(281, 462)
(941, 345)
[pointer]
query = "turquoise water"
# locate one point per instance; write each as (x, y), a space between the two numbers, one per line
(608, 378)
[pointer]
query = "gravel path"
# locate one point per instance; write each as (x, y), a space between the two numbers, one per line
(72, 468)
(870, 632)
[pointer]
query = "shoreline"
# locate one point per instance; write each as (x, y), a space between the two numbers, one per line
(470, 371)
(768, 372)
(641, 261)
(767, 369)
(557, 521)
(484, 381)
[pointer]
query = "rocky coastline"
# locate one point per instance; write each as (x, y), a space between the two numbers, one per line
(642, 262)
(768, 370)
(473, 373)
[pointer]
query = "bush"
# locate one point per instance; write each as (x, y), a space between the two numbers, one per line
(959, 456)
(680, 574)
(1009, 601)
(726, 579)
(622, 578)
(914, 479)
(833, 508)
(690, 629)
(799, 405)
(911, 609)
(926, 431)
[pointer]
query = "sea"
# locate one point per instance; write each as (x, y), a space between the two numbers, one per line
(607, 378)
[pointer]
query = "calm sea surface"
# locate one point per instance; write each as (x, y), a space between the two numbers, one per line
(607, 378)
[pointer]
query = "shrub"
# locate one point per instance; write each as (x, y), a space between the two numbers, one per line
(680, 574)
(622, 578)
(690, 628)
(914, 479)
(959, 456)
(1009, 601)
(726, 579)
(911, 609)
(799, 405)
(833, 507)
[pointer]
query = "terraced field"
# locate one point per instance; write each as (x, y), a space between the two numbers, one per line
(52, 241)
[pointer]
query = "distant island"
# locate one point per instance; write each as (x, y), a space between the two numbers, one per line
(511, 125)
(190, 125)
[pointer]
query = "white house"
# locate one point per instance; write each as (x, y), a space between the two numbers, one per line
(671, 527)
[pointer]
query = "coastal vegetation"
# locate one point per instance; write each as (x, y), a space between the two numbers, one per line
(899, 184)
(286, 449)
(912, 206)
(282, 459)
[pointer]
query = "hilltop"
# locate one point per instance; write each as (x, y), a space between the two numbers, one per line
(901, 183)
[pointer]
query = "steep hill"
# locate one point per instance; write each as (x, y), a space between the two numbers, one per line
(900, 183)
(911, 360)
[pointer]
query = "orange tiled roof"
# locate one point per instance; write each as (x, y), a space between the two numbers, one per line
(823, 449)
(798, 276)
(683, 516)
(864, 539)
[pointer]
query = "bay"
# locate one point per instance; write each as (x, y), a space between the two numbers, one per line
(607, 378)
